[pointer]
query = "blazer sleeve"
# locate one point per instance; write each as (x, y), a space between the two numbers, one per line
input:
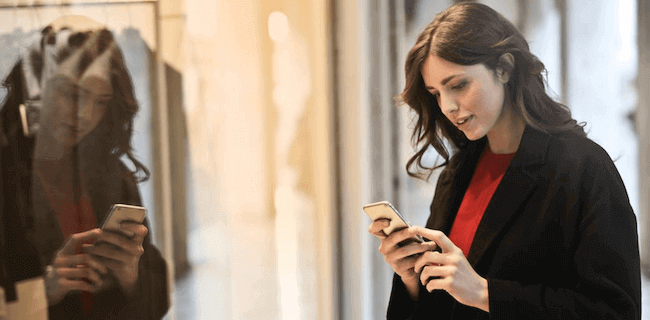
(606, 259)
(151, 299)
(400, 305)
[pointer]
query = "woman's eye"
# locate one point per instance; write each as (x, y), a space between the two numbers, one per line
(103, 103)
(460, 85)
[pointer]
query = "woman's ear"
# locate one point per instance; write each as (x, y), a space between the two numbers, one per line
(504, 67)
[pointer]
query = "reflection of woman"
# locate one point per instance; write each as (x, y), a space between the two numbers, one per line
(530, 219)
(86, 125)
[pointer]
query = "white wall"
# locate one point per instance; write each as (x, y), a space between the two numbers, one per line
(602, 60)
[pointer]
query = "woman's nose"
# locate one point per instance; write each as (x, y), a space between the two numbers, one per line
(84, 111)
(447, 104)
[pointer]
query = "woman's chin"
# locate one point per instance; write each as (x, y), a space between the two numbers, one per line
(67, 138)
(473, 136)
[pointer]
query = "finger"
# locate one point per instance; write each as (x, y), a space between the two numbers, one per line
(117, 239)
(432, 246)
(398, 236)
(80, 273)
(79, 259)
(114, 264)
(68, 285)
(378, 226)
(119, 231)
(412, 248)
(75, 273)
(137, 230)
(438, 237)
(405, 264)
(429, 258)
(105, 251)
(381, 234)
(91, 261)
(434, 272)
(74, 240)
(438, 284)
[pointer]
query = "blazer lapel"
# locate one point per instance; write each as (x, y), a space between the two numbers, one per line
(518, 182)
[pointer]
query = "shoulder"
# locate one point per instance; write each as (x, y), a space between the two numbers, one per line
(572, 150)
(580, 163)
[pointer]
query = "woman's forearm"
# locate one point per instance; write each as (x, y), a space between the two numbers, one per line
(412, 286)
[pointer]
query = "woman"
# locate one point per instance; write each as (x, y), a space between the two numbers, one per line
(530, 218)
(69, 173)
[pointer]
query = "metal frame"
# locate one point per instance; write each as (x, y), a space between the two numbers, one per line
(162, 167)
(71, 4)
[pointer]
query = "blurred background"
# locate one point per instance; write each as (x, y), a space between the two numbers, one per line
(268, 125)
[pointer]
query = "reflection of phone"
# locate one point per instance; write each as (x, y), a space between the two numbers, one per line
(384, 209)
(123, 212)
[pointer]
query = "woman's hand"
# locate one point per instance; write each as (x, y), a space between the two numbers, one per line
(401, 258)
(450, 271)
(121, 253)
(71, 271)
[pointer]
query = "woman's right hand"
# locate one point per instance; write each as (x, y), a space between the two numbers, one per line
(71, 271)
(401, 258)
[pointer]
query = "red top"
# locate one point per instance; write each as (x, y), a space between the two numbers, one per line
(73, 216)
(489, 172)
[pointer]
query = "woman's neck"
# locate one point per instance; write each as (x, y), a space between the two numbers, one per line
(505, 136)
(47, 148)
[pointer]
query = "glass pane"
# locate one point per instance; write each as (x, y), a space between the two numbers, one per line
(73, 89)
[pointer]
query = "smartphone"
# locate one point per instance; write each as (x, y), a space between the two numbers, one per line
(123, 212)
(384, 209)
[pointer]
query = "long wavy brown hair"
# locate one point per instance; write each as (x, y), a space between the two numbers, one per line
(112, 137)
(468, 34)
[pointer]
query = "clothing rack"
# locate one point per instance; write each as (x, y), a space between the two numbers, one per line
(72, 4)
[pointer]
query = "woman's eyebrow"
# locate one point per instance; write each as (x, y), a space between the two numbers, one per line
(445, 80)
(100, 93)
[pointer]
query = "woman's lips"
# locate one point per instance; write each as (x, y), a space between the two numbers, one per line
(71, 128)
(463, 122)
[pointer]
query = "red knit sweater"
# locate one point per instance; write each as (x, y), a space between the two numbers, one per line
(489, 172)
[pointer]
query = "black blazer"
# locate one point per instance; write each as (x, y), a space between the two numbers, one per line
(30, 237)
(558, 239)
(113, 184)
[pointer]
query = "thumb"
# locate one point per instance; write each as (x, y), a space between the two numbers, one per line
(77, 239)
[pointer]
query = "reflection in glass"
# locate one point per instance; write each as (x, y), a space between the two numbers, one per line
(67, 123)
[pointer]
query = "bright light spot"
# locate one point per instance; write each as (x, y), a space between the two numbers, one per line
(278, 26)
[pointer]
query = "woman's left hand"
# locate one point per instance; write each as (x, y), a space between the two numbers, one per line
(450, 271)
(121, 253)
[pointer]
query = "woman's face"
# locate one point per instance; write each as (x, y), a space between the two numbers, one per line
(74, 106)
(471, 97)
